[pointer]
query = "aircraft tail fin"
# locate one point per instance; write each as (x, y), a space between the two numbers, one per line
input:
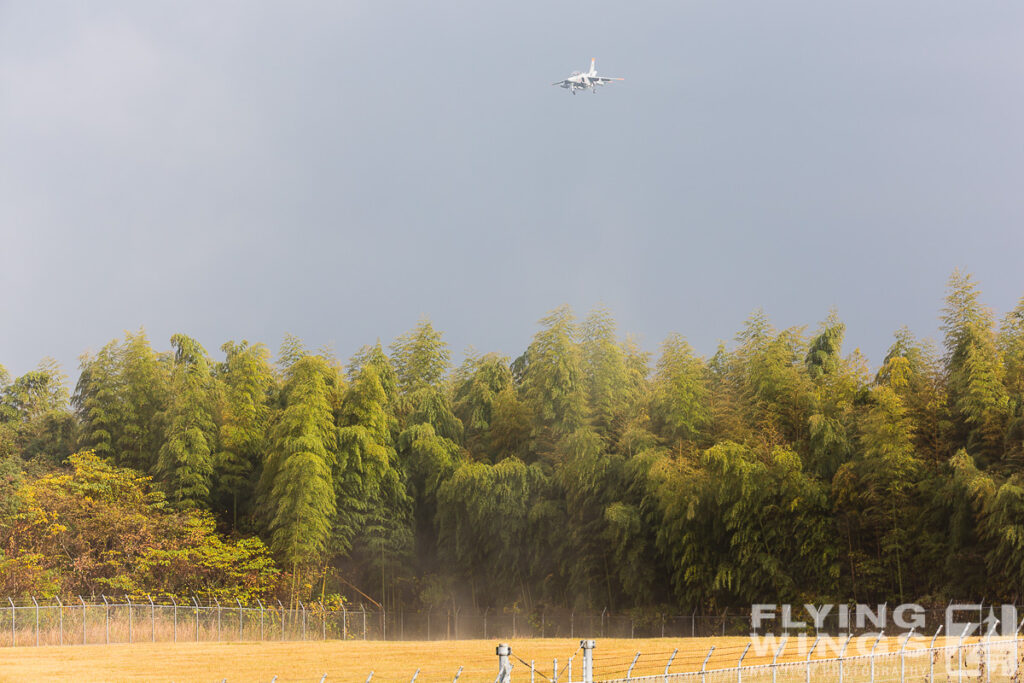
(593, 69)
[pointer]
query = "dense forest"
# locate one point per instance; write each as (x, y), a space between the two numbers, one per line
(583, 473)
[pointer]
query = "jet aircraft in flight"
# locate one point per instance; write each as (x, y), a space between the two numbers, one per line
(580, 80)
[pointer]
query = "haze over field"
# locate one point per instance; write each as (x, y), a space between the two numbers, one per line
(335, 170)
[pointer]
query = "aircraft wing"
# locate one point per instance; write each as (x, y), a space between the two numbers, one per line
(605, 79)
(561, 83)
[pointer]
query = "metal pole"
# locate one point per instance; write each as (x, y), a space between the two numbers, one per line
(106, 616)
(238, 602)
(488, 609)
(217, 602)
(904, 647)
(196, 603)
(987, 645)
(669, 664)
(960, 653)
(282, 618)
(931, 655)
(1016, 648)
(703, 676)
(849, 636)
(630, 672)
(37, 618)
(83, 618)
(572, 624)
(554, 675)
(323, 612)
(129, 601)
(363, 607)
(457, 674)
(152, 618)
(303, 608)
(777, 653)
(260, 603)
(533, 669)
(60, 612)
(739, 665)
(13, 637)
(588, 660)
(693, 624)
(880, 634)
(809, 653)
(175, 603)
(503, 651)
(603, 613)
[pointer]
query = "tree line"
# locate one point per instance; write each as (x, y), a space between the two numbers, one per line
(585, 472)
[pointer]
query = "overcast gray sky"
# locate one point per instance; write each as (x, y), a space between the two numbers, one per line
(335, 170)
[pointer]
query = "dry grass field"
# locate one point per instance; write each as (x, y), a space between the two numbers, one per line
(391, 662)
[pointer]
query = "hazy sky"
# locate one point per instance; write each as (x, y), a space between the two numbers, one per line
(335, 170)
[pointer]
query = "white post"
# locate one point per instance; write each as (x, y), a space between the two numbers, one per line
(303, 608)
(196, 603)
(504, 667)
(904, 647)
(931, 654)
(777, 653)
(260, 603)
(37, 619)
(669, 664)
(842, 651)
(129, 601)
(152, 618)
(13, 636)
(60, 611)
(739, 665)
(960, 653)
(569, 668)
(554, 675)
(175, 603)
(282, 618)
(703, 676)
(630, 672)
(809, 653)
(457, 674)
(877, 640)
(239, 604)
(363, 607)
(533, 670)
(83, 618)
(588, 660)
(106, 616)
(344, 623)
(987, 645)
(217, 602)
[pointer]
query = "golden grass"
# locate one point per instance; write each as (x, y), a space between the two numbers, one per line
(391, 662)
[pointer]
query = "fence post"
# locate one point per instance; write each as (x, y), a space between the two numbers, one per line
(363, 607)
(129, 601)
(739, 665)
(260, 603)
(904, 647)
(457, 674)
(175, 603)
(513, 622)
(503, 651)
(60, 612)
(630, 672)
(323, 613)
(533, 669)
(588, 660)
(703, 676)
(987, 645)
(37, 619)
(931, 655)
(303, 608)
(485, 621)
(572, 623)
(344, 623)
(725, 617)
(554, 674)
(282, 618)
(196, 603)
(152, 617)
(13, 637)
(880, 634)
(217, 602)
(809, 653)
(960, 653)
(603, 613)
(239, 603)
(83, 619)
(693, 624)
(668, 665)
(106, 616)
(1016, 647)
(849, 637)
(777, 653)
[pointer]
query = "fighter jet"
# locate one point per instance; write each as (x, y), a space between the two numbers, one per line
(579, 80)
